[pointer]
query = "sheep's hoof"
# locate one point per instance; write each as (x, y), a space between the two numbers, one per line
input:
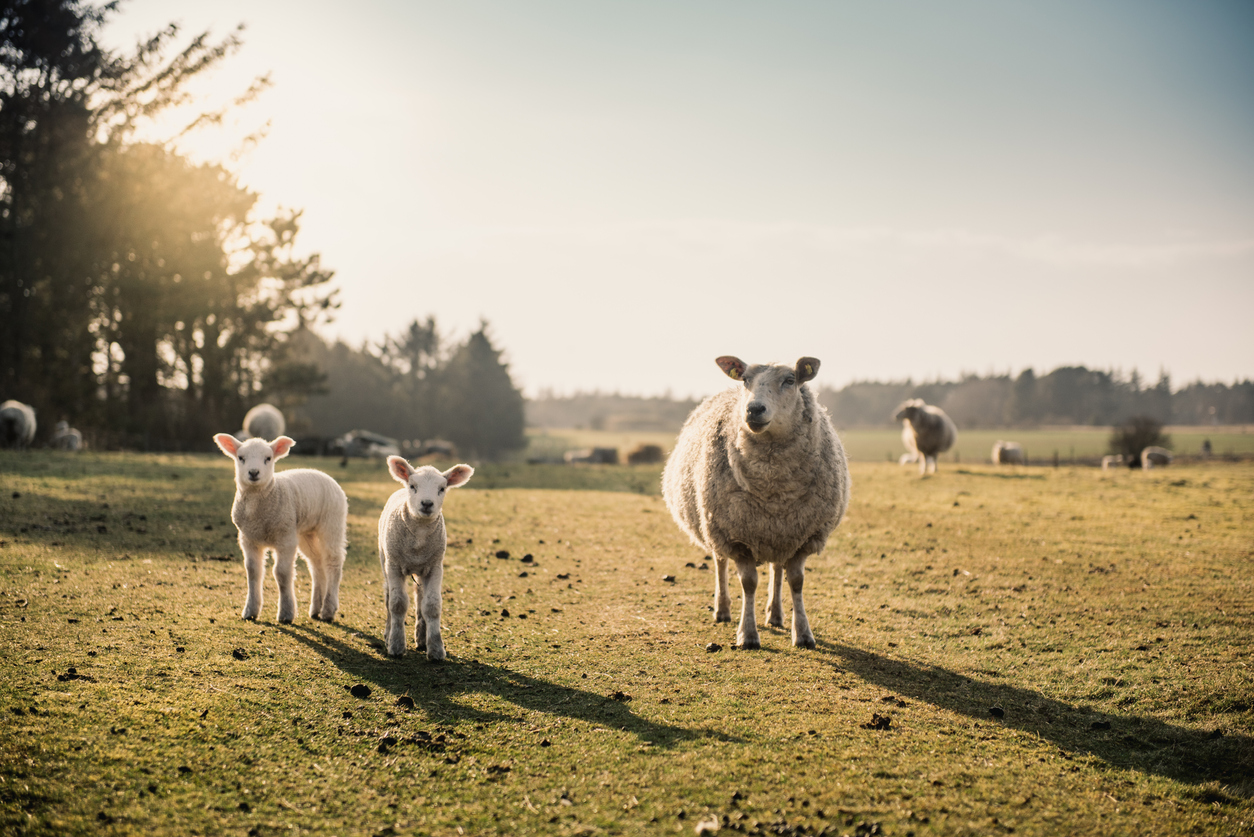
(749, 645)
(722, 617)
(775, 622)
(805, 642)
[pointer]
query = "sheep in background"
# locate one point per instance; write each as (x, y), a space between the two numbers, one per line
(298, 511)
(926, 431)
(264, 421)
(412, 540)
(1008, 453)
(758, 476)
(1109, 460)
(17, 425)
(1154, 455)
(66, 437)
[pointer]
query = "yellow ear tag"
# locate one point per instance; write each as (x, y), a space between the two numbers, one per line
(734, 373)
(809, 369)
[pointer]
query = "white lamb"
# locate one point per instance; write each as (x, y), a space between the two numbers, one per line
(926, 432)
(265, 421)
(17, 424)
(412, 540)
(758, 476)
(1008, 453)
(66, 437)
(1154, 455)
(1111, 459)
(299, 510)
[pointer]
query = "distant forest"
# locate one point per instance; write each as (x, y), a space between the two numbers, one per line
(1069, 395)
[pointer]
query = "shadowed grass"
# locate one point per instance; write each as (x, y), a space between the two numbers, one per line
(1105, 616)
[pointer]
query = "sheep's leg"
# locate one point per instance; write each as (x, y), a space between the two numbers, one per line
(331, 592)
(285, 578)
(420, 621)
(397, 604)
(802, 636)
(922, 465)
(747, 633)
(432, 586)
(255, 570)
(775, 611)
(314, 553)
(722, 600)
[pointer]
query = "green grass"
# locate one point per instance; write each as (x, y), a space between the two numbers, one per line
(135, 700)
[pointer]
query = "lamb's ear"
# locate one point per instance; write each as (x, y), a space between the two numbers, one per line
(458, 475)
(227, 443)
(281, 446)
(399, 469)
(807, 368)
(733, 367)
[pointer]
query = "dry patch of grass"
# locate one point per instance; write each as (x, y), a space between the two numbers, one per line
(1036, 652)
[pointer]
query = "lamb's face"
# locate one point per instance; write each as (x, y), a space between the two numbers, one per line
(426, 486)
(254, 459)
(772, 392)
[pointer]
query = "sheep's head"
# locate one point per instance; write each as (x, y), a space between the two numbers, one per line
(909, 410)
(426, 485)
(772, 391)
(254, 459)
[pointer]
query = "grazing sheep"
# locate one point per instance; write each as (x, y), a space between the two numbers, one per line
(264, 421)
(1109, 460)
(17, 425)
(926, 431)
(1008, 453)
(645, 455)
(758, 476)
(411, 543)
(66, 437)
(298, 508)
(1154, 455)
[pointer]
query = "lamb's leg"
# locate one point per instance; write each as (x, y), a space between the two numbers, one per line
(722, 600)
(747, 633)
(314, 553)
(775, 611)
(333, 550)
(802, 636)
(430, 609)
(285, 578)
(397, 604)
(922, 465)
(420, 621)
(255, 570)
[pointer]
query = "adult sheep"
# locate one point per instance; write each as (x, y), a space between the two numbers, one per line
(264, 421)
(1008, 453)
(758, 476)
(66, 437)
(1154, 455)
(926, 431)
(17, 425)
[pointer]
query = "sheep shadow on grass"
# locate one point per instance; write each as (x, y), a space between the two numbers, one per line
(435, 688)
(1144, 744)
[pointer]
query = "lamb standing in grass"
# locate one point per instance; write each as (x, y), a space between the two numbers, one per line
(1154, 455)
(412, 540)
(17, 425)
(925, 431)
(296, 510)
(1008, 453)
(758, 476)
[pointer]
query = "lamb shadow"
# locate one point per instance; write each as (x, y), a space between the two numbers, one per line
(1145, 744)
(435, 687)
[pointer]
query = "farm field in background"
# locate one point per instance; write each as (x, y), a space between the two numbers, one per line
(884, 444)
(1039, 651)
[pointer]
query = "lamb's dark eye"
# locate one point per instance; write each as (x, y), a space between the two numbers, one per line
(267, 462)
(414, 489)
(241, 459)
(441, 491)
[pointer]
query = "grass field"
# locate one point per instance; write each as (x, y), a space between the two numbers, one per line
(973, 446)
(1041, 652)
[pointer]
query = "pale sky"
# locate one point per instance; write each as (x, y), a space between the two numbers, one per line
(626, 190)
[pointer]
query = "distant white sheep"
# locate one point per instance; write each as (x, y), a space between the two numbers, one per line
(412, 540)
(17, 425)
(1008, 453)
(66, 437)
(265, 421)
(926, 432)
(1114, 460)
(299, 511)
(1154, 455)
(757, 476)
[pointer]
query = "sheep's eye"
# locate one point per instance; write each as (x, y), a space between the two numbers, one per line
(789, 382)
(241, 459)
(414, 488)
(267, 462)
(441, 491)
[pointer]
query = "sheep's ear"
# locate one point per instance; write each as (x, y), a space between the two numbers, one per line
(807, 368)
(281, 446)
(399, 469)
(733, 367)
(458, 475)
(227, 443)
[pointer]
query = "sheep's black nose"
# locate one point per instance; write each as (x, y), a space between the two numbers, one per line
(252, 474)
(427, 504)
(755, 410)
